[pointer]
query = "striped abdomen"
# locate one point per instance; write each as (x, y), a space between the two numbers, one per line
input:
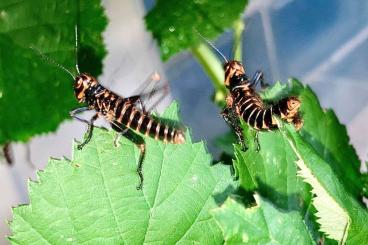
(135, 119)
(122, 112)
(252, 110)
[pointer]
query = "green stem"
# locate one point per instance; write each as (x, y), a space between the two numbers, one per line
(213, 67)
(238, 36)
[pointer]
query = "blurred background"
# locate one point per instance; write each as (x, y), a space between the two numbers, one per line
(322, 43)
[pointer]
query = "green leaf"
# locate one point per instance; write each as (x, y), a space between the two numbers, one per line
(261, 224)
(272, 171)
(324, 132)
(341, 217)
(365, 184)
(93, 198)
(321, 129)
(175, 32)
(34, 95)
(225, 142)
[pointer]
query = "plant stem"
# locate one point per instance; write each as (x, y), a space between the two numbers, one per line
(238, 39)
(213, 67)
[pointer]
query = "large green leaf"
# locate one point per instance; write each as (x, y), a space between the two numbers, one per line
(272, 170)
(323, 131)
(341, 217)
(172, 23)
(261, 224)
(34, 95)
(93, 198)
(329, 138)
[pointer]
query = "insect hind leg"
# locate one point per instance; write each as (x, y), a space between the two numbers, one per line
(142, 148)
(139, 142)
(256, 141)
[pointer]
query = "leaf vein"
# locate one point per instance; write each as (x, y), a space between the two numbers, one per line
(107, 192)
(200, 211)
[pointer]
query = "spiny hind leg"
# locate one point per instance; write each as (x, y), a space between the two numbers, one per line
(139, 143)
(256, 141)
(142, 148)
(232, 120)
(118, 136)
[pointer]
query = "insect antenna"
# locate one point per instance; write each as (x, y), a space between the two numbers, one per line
(76, 49)
(211, 44)
(51, 61)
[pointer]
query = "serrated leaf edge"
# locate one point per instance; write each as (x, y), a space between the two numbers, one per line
(231, 201)
(334, 220)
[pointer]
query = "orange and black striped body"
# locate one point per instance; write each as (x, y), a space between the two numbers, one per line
(122, 112)
(252, 110)
(247, 105)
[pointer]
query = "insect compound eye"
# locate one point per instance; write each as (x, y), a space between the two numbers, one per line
(236, 80)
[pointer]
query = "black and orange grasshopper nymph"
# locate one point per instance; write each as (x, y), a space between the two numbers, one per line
(123, 114)
(243, 102)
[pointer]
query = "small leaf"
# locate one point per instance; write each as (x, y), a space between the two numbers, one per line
(262, 224)
(175, 32)
(35, 97)
(93, 198)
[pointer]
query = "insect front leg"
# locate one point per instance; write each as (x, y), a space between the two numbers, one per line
(74, 114)
(89, 132)
(232, 120)
(88, 135)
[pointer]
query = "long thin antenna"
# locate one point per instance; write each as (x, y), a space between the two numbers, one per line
(76, 49)
(211, 44)
(51, 61)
